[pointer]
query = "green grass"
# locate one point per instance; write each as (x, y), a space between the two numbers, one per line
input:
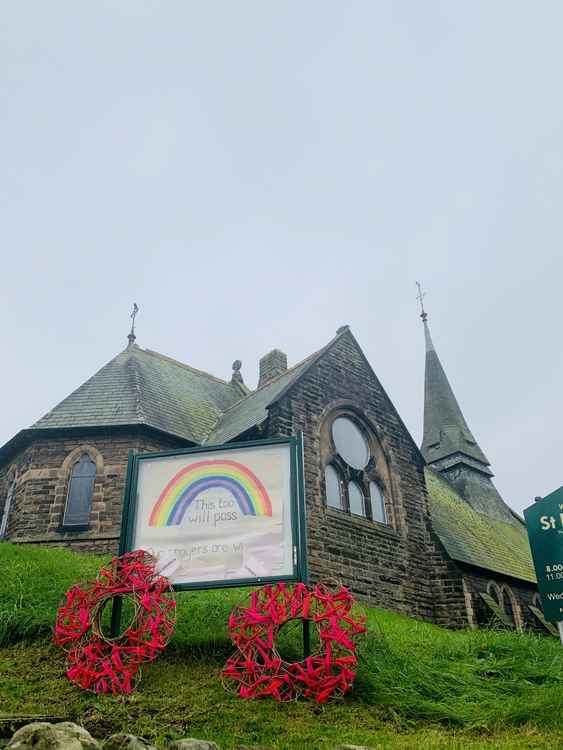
(418, 686)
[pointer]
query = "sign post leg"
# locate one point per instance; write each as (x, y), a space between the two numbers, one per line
(307, 638)
(560, 626)
(116, 606)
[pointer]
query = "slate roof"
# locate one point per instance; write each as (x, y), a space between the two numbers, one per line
(142, 387)
(445, 429)
(475, 538)
(253, 409)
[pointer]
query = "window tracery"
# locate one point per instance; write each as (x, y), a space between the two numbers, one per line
(353, 459)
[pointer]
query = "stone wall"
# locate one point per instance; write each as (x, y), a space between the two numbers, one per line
(457, 588)
(42, 472)
(389, 565)
(451, 601)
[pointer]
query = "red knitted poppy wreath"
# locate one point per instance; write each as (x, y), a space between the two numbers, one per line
(258, 670)
(112, 665)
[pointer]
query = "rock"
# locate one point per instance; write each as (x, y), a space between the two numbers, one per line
(41, 735)
(189, 743)
(353, 747)
(124, 741)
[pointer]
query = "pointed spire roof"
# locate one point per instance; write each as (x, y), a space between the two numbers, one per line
(445, 429)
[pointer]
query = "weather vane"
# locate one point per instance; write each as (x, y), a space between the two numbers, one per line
(420, 297)
(131, 335)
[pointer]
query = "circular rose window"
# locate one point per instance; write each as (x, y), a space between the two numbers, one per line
(350, 442)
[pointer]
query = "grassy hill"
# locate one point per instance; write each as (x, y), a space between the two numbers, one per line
(418, 686)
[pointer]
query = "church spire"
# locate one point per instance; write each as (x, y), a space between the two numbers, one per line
(446, 434)
(448, 445)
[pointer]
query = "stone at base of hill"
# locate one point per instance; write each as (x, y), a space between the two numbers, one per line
(189, 743)
(123, 741)
(41, 735)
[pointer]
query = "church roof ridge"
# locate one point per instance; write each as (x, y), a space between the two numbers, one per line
(289, 371)
(138, 391)
(251, 410)
(174, 361)
(273, 380)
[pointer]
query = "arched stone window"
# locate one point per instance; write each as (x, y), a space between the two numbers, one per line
(67, 509)
(494, 590)
(494, 599)
(8, 500)
(503, 598)
(79, 496)
(355, 469)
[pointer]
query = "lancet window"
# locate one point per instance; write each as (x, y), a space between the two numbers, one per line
(80, 491)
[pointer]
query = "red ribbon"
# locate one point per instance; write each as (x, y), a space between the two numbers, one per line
(104, 666)
(257, 668)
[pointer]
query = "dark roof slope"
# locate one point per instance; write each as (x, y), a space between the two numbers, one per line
(253, 409)
(445, 429)
(474, 538)
(142, 387)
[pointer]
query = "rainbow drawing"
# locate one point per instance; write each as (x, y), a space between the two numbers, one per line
(184, 487)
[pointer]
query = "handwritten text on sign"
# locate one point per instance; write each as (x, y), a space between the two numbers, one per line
(223, 516)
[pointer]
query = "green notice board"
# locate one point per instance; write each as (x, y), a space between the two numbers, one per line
(544, 521)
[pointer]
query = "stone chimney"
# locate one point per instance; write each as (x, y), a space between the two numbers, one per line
(272, 365)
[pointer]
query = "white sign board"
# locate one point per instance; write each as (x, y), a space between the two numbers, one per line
(216, 517)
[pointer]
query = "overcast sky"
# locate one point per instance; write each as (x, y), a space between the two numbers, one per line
(256, 174)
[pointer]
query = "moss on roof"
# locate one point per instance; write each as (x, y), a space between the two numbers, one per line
(140, 386)
(474, 538)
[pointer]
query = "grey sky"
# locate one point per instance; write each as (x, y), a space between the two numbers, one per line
(255, 174)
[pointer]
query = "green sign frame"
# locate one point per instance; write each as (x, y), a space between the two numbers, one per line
(297, 508)
(544, 521)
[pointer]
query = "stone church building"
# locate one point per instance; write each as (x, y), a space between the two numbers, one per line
(419, 530)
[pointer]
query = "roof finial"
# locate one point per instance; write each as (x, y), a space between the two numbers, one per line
(131, 335)
(237, 374)
(420, 297)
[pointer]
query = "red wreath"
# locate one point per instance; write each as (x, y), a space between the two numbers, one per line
(257, 668)
(105, 665)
